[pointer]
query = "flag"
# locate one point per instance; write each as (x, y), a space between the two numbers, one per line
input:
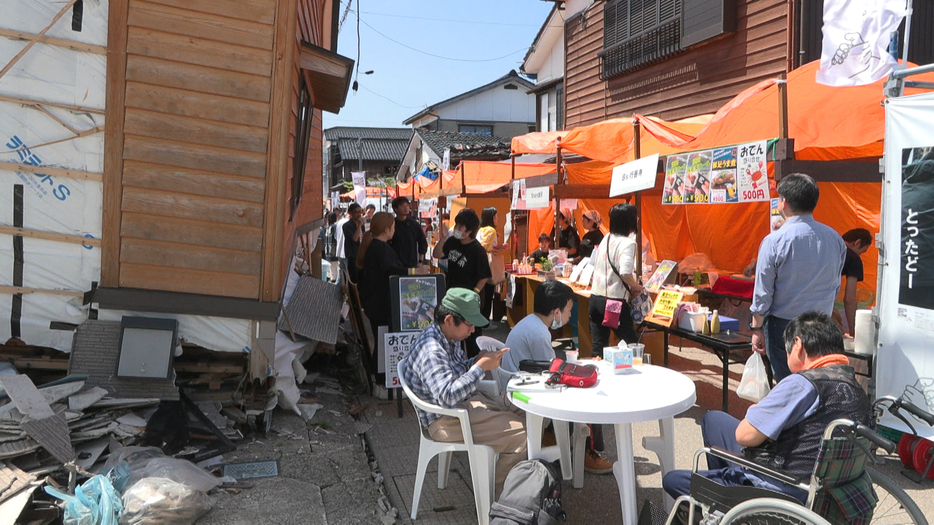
(359, 186)
(854, 50)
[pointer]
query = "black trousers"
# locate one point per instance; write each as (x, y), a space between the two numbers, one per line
(601, 334)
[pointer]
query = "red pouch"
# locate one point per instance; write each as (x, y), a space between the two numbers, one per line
(611, 313)
(580, 376)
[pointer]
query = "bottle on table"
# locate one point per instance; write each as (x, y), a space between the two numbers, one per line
(715, 323)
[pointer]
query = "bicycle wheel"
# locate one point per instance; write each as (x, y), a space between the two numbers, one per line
(769, 511)
(894, 505)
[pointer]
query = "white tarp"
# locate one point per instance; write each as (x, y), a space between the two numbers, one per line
(221, 334)
(905, 361)
(50, 203)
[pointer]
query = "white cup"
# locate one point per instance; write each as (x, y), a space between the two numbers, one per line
(571, 356)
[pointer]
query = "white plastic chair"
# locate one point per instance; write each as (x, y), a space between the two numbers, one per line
(482, 458)
(493, 387)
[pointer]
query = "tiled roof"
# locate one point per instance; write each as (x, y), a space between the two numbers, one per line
(347, 132)
(465, 144)
(373, 149)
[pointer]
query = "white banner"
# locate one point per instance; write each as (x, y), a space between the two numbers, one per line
(634, 176)
(536, 198)
(335, 200)
(854, 50)
(905, 294)
(359, 186)
(518, 195)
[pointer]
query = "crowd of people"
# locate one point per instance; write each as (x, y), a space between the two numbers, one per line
(797, 277)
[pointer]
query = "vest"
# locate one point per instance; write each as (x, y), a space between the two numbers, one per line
(840, 397)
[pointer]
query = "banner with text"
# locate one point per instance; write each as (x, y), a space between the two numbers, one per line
(718, 176)
(634, 176)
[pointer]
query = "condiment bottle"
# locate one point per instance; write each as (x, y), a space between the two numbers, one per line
(715, 323)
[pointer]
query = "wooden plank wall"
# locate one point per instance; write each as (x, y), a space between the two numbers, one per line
(196, 135)
(696, 82)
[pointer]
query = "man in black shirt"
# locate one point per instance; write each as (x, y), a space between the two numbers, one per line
(468, 266)
(409, 241)
(544, 246)
(353, 232)
(857, 242)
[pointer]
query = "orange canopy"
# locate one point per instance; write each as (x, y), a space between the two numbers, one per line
(612, 140)
(537, 142)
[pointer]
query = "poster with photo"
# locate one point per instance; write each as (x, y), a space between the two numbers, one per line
(660, 276)
(752, 172)
(775, 216)
(723, 176)
(675, 168)
(697, 180)
(413, 300)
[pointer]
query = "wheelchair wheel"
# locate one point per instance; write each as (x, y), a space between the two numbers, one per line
(894, 505)
(769, 511)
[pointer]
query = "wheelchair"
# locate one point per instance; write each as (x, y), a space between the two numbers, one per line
(841, 489)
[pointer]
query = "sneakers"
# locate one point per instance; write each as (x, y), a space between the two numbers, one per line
(596, 464)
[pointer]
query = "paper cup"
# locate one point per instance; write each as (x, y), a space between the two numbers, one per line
(571, 356)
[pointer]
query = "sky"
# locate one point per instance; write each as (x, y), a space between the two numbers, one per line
(474, 42)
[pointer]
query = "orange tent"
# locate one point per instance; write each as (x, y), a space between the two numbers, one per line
(612, 140)
(538, 142)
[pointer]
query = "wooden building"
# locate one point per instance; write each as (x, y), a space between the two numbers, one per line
(212, 157)
(680, 58)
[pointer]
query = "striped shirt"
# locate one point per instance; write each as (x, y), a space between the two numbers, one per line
(438, 372)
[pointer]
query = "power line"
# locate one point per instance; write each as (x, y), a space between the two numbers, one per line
(438, 56)
(389, 99)
(449, 20)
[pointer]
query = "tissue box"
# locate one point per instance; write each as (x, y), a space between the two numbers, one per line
(693, 321)
(619, 358)
(727, 323)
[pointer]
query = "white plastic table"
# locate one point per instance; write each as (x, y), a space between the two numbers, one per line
(645, 393)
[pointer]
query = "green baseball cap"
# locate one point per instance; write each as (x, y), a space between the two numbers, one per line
(467, 303)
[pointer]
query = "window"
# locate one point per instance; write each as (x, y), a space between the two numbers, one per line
(475, 128)
(637, 33)
(302, 136)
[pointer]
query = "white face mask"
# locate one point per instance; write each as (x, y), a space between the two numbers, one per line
(556, 321)
(458, 234)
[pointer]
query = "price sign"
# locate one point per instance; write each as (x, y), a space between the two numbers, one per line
(397, 345)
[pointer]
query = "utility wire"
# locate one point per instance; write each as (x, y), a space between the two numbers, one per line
(449, 20)
(391, 100)
(434, 55)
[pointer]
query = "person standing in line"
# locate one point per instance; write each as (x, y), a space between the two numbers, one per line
(614, 278)
(857, 241)
(591, 221)
(368, 216)
(353, 232)
(467, 264)
(488, 239)
(330, 247)
(409, 241)
(568, 238)
(798, 270)
(339, 241)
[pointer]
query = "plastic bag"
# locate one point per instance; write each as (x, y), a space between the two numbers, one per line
(161, 500)
(150, 462)
(95, 502)
(755, 382)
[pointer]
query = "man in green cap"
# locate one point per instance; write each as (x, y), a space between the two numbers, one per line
(437, 371)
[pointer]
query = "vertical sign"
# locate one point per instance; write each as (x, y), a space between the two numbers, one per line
(723, 176)
(397, 345)
(697, 180)
(359, 186)
(673, 192)
(752, 172)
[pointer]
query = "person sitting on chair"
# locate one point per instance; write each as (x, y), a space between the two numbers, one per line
(790, 421)
(439, 372)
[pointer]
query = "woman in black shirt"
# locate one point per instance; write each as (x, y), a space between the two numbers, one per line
(377, 261)
(568, 237)
(591, 222)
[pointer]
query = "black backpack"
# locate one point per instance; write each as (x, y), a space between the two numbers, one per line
(531, 496)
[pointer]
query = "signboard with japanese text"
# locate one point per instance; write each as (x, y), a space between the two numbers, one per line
(518, 195)
(397, 344)
(663, 311)
(660, 276)
(418, 297)
(904, 312)
(427, 207)
(675, 168)
(697, 178)
(723, 176)
(359, 186)
(634, 176)
(752, 172)
(536, 198)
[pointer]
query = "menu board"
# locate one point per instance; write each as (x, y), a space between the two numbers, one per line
(718, 176)
(396, 345)
(414, 299)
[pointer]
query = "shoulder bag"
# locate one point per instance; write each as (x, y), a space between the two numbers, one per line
(640, 305)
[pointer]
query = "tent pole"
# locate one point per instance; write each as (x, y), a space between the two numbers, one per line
(637, 154)
(782, 107)
(907, 34)
(558, 199)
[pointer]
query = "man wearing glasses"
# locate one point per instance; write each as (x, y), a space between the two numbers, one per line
(438, 371)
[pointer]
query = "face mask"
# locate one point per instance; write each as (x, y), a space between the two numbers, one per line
(458, 234)
(556, 322)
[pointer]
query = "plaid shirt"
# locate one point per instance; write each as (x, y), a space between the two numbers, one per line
(438, 372)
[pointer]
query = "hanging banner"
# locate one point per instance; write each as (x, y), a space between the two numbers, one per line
(905, 309)
(359, 186)
(697, 179)
(518, 195)
(536, 198)
(752, 172)
(674, 179)
(723, 176)
(427, 207)
(335, 200)
(854, 50)
(634, 176)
